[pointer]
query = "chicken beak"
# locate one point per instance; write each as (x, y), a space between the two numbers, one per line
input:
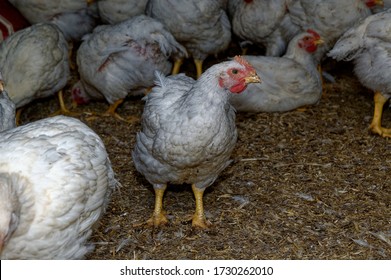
(318, 41)
(254, 78)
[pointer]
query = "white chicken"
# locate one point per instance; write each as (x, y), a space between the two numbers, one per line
(188, 131)
(117, 60)
(75, 18)
(202, 26)
(368, 45)
(330, 18)
(55, 182)
(262, 22)
(288, 82)
(34, 63)
(115, 11)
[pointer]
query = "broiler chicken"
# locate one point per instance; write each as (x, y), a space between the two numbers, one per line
(330, 18)
(202, 26)
(34, 63)
(117, 60)
(262, 22)
(75, 18)
(188, 131)
(288, 82)
(115, 11)
(55, 183)
(368, 45)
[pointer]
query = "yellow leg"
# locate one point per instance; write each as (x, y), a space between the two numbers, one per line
(158, 217)
(198, 64)
(199, 219)
(177, 66)
(375, 126)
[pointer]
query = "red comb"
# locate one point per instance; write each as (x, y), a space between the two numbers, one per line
(242, 61)
(314, 33)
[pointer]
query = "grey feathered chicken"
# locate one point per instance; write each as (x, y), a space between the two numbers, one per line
(368, 45)
(115, 11)
(202, 26)
(55, 183)
(34, 63)
(117, 60)
(330, 18)
(188, 131)
(262, 22)
(288, 82)
(75, 18)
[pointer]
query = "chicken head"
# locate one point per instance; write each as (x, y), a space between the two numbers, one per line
(310, 42)
(236, 79)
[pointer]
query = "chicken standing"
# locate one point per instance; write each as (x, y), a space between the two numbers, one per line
(202, 26)
(34, 63)
(75, 18)
(368, 45)
(119, 59)
(288, 82)
(55, 182)
(188, 131)
(262, 22)
(115, 11)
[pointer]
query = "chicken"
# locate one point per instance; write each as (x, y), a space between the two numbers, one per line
(34, 63)
(202, 26)
(7, 109)
(11, 20)
(330, 18)
(188, 131)
(75, 18)
(367, 44)
(270, 19)
(115, 11)
(116, 60)
(55, 183)
(288, 82)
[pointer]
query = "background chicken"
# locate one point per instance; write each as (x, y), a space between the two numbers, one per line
(116, 60)
(74, 17)
(368, 45)
(288, 82)
(54, 192)
(202, 26)
(330, 18)
(34, 63)
(262, 22)
(188, 131)
(115, 11)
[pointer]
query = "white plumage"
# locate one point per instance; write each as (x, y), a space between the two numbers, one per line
(368, 45)
(55, 182)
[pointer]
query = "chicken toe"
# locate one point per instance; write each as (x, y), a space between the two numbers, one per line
(199, 219)
(158, 217)
(375, 126)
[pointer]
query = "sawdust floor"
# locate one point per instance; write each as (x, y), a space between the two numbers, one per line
(310, 184)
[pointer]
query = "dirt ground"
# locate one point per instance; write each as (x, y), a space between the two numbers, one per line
(310, 184)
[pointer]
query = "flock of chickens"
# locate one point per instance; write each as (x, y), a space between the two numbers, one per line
(55, 174)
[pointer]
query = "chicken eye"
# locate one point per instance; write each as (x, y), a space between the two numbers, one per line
(235, 71)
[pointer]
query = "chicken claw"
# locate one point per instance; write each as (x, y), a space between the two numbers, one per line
(375, 126)
(199, 219)
(158, 217)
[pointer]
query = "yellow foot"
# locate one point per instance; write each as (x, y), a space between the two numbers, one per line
(132, 119)
(384, 132)
(157, 220)
(200, 222)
